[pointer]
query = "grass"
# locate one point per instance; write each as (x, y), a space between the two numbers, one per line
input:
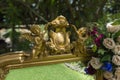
(49, 72)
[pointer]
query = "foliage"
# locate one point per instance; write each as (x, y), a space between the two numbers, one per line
(78, 12)
(20, 44)
(105, 38)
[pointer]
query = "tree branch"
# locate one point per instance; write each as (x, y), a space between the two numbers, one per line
(33, 11)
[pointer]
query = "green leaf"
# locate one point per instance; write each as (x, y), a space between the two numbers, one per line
(101, 51)
(106, 58)
(115, 17)
(116, 22)
(94, 48)
(52, 2)
(117, 34)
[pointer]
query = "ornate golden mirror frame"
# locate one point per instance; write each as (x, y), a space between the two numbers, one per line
(59, 42)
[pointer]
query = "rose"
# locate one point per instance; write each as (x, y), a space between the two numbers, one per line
(107, 75)
(94, 31)
(117, 73)
(95, 63)
(118, 39)
(98, 39)
(116, 50)
(90, 70)
(109, 43)
(112, 28)
(116, 60)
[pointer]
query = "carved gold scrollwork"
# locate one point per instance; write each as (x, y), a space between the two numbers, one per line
(3, 73)
(59, 38)
(59, 42)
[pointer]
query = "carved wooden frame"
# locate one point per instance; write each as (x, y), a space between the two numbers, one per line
(57, 49)
(13, 61)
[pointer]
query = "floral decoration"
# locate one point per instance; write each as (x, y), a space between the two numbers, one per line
(106, 46)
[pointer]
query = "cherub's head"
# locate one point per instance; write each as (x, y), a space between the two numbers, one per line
(60, 21)
(82, 32)
(35, 29)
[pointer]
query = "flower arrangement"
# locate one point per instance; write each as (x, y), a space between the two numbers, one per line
(106, 46)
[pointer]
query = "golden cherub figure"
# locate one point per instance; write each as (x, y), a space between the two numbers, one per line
(36, 36)
(59, 37)
(82, 36)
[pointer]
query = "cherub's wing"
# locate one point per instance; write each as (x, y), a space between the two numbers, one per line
(28, 37)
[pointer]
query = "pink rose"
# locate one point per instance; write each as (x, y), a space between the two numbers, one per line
(116, 60)
(109, 43)
(117, 73)
(116, 50)
(107, 75)
(95, 63)
(118, 39)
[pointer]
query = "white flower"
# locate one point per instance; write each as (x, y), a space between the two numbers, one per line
(116, 50)
(108, 75)
(116, 60)
(95, 63)
(117, 73)
(112, 28)
(109, 43)
(118, 39)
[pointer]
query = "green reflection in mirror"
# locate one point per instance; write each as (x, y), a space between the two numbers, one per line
(49, 72)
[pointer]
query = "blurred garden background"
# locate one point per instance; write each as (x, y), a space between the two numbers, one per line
(18, 15)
